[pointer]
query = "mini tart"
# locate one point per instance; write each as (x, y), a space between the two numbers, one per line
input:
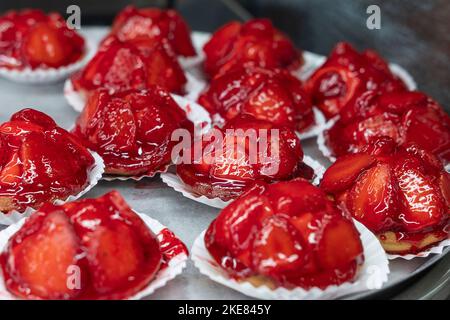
(87, 249)
(39, 162)
(255, 42)
(406, 117)
(130, 65)
(287, 234)
(32, 39)
(232, 165)
(347, 74)
(132, 130)
(272, 95)
(155, 25)
(401, 194)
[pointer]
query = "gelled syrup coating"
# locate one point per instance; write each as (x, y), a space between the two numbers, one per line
(30, 38)
(131, 65)
(255, 42)
(132, 131)
(154, 25)
(400, 194)
(347, 74)
(406, 117)
(250, 150)
(272, 95)
(39, 162)
(88, 249)
(289, 233)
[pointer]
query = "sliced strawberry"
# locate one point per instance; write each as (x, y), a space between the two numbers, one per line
(373, 199)
(294, 197)
(12, 171)
(115, 257)
(277, 248)
(400, 102)
(421, 199)
(382, 125)
(344, 171)
(429, 129)
(34, 117)
(340, 245)
(42, 262)
(45, 45)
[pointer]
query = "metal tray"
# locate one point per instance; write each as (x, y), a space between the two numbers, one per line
(185, 217)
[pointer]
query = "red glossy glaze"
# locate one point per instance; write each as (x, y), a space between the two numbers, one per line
(154, 25)
(88, 249)
(132, 65)
(39, 162)
(30, 38)
(347, 74)
(131, 130)
(407, 117)
(288, 232)
(233, 164)
(391, 188)
(256, 42)
(271, 95)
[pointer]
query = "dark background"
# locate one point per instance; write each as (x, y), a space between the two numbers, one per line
(414, 33)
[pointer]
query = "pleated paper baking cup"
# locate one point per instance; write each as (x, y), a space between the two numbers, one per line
(174, 181)
(371, 276)
(111, 177)
(95, 174)
(437, 249)
(321, 144)
(174, 265)
(48, 75)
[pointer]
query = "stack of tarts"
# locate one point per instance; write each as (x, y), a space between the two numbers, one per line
(288, 229)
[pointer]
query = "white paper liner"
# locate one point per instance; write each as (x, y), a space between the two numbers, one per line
(199, 39)
(438, 249)
(323, 148)
(174, 267)
(173, 181)
(50, 75)
(95, 174)
(373, 273)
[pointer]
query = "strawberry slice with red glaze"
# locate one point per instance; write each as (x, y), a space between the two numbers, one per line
(344, 171)
(35, 117)
(43, 258)
(277, 248)
(421, 199)
(373, 198)
(44, 44)
(11, 171)
(337, 246)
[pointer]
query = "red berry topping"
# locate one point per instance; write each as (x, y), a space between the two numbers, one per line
(272, 95)
(347, 74)
(256, 42)
(287, 233)
(88, 249)
(400, 194)
(132, 131)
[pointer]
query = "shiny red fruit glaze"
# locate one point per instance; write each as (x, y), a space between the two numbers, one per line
(30, 38)
(40, 162)
(256, 42)
(249, 150)
(154, 25)
(347, 74)
(394, 189)
(272, 95)
(289, 233)
(88, 249)
(132, 130)
(406, 117)
(132, 65)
